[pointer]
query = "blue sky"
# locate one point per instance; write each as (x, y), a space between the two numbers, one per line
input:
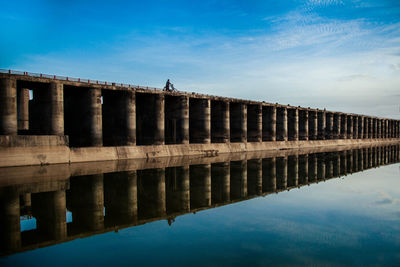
(335, 54)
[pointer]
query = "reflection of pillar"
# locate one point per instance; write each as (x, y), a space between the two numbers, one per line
(151, 193)
(49, 208)
(254, 177)
(200, 186)
(268, 175)
(312, 125)
(328, 166)
(293, 171)
(8, 107)
(120, 197)
(349, 162)
(303, 169)
(10, 230)
(281, 173)
(312, 167)
(343, 162)
(355, 160)
(336, 164)
(360, 159)
(23, 108)
(220, 182)
(238, 179)
(87, 201)
(177, 189)
(321, 166)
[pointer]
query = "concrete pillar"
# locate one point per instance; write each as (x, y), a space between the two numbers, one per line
(254, 123)
(10, 230)
(281, 173)
(343, 126)
(220, 182)
(238, 179)
(312, 168)
(177, 180)
(56, 108)
(329, 125)
(200, 186)
(303, 169)
(130, 118)
(93, 123)
(23, 108)
(370, 128)
(361, 129)
(312, 125)
(355, 127)
(336, 126)
(176, 119)
(269, 123)
(293, 171)
(374, 128)
(281, 124)
(159, 131)
(293, 124)
(8, 107)
(238, 122)
(49, 208)
(269, 175)
(386, 128)
(220, 131)
(378, 128)
(382, 128)
(254, 177)
(349, 127)
(321, 125)
(303, 125)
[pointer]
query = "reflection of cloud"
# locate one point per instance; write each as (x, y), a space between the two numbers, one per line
(386, 199)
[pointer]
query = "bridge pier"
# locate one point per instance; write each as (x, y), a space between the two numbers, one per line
(8, 106)
(254, 123)
(269, 123)
(176, 119)
(313, 125)
(281, 124)
(220, 132)
(293, 124)
(238, 122)
(336, 126)
(23, 108)
(329, 125)
(303, 124)
(321, 125)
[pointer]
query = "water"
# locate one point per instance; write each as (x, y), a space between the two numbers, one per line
(284, 208)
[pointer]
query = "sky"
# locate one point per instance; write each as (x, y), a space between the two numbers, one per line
(335, 54)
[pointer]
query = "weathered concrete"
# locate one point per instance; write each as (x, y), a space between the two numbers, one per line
(8, 106)
(321, 125)
(176, 119)
(254, 123)
(238, 122)
(313, 125)
(281, 124)
(220, 132)
(269, 123)
(23, 108)
(200, 121)
(303, 124)
(293, 124)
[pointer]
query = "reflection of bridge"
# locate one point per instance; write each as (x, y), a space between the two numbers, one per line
(126, 194)
(76, 120)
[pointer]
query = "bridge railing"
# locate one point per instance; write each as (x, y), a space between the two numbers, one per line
(72, 79)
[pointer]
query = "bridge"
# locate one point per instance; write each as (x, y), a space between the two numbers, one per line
(77, 120)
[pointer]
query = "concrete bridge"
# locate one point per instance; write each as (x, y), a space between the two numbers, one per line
(134, 194)
(124, 121)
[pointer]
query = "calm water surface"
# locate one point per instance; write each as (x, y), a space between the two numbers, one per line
(329, 209)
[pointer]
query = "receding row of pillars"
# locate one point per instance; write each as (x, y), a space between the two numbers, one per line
(147, 194)
(154, 119)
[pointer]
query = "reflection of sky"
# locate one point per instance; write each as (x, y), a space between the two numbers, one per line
(339, 54)
(350, 221)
